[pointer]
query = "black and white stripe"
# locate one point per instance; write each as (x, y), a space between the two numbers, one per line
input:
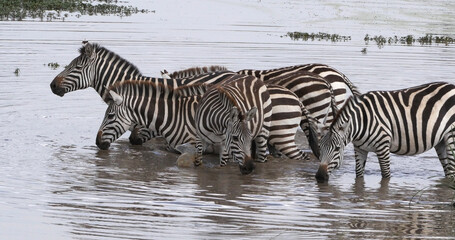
(404, 122)
(214, 115)
(154, 106)
(100, 68)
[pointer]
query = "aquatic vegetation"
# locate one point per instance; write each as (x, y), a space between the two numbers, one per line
(53, 65)
(17, 71)
(54, 9)
(317, 36)
(428, 39)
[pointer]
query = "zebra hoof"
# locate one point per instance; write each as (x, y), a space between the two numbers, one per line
(247, 167)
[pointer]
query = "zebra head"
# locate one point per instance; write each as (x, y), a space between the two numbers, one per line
(115, 123)
(331, 148)
(79, 74)
(238, 139)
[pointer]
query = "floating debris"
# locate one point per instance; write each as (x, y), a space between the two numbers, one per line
(364, 50)
(317, 36)
(51, 9)
(17, 71)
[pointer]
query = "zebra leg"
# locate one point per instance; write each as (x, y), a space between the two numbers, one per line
(384, 160)
(140, 135)
(360, 160)
(261, 148)
(291, 150)
(446, 154)
(273, 151)
(199, 148)
(442, 151)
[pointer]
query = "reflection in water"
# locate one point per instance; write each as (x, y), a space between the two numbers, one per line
(55, 182)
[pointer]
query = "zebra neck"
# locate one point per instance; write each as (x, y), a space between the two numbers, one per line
(110, 69)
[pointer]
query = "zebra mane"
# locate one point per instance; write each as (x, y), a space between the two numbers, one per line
(99, 49)
(223, 93)
(189, 72)
(341, 110)
(196, 89)
(124, 88)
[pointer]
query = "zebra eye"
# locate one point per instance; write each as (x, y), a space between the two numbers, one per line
(235, 138)
(110, 115)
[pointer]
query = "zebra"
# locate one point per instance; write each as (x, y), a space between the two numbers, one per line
(320, 87)
(100, 68)
(314, 92)
(153, 106)
(405, 122)
(287, 114)
(250, 97)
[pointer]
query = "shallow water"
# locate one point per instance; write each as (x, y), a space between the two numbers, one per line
(56, 184)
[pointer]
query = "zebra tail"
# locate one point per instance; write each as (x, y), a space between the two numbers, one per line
(354, 90)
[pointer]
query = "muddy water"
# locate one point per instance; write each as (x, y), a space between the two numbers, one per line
(56, 184)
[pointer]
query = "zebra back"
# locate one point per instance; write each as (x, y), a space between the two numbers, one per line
(194, 71)
(330, 74)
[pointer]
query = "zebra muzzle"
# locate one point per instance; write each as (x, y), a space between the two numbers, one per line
(248, 166)
(322, 175)
(102, 145)
(56, 86)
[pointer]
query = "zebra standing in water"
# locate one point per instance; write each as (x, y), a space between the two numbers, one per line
(404, 122)
(153, 106)
(321, 88)
(100, 68)
(287, 114)
(250, 97)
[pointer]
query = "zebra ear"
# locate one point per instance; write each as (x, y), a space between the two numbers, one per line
(165, 74)
(234, 116)
(117, 98)
(89, 50)
(250, 114)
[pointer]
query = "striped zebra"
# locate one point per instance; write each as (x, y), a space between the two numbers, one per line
(250, 97)
(100, 68)
(320, 87)
(152, 106)
(405, 122)
(288, 113)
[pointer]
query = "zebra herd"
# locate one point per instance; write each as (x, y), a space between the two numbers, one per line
(242, 115)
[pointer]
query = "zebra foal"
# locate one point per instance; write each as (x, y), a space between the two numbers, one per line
(405, 122)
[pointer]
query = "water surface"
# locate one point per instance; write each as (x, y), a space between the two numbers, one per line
(56, 184)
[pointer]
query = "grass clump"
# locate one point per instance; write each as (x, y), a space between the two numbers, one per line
(304, 36)
(55, 9)
(409, 40)
(53, 65)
